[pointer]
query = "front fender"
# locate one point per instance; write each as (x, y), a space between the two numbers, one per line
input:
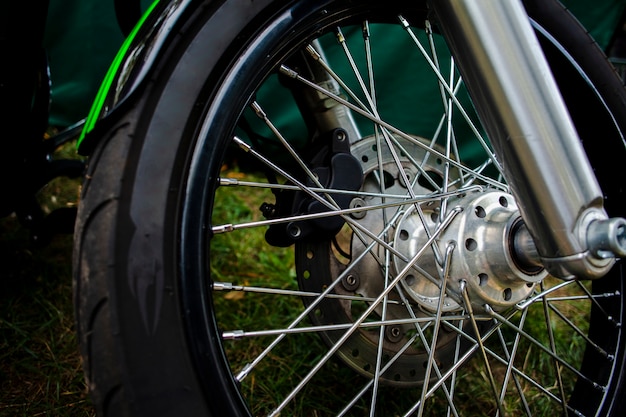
(131, 66)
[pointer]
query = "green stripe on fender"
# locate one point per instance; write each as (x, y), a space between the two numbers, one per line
(96, 107)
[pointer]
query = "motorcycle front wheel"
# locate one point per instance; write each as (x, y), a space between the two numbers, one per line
(301, 215)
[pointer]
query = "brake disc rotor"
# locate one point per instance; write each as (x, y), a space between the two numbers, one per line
(355, 269)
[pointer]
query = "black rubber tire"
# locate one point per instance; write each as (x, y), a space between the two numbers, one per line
(148, 339)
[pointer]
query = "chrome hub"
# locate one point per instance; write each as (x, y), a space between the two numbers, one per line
(484, 235)
(482, 258)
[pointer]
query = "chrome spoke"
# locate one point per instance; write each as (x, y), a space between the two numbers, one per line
(514, 369)
(540, 345)
(230, 182)
(409, 281)
(240, 334)
(294, 74)
(481, 346)
(596, 303)
(449, 91)
(510, 358)
(557, 368)
(305, 313)
(578, 331)
(218, 229)
(227, 286)
(433, 347)
(448, 392)
(369, 384)
(381, 339)
(360, 320)
(356, 225)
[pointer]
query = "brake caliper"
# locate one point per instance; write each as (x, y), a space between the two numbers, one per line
(335, 168)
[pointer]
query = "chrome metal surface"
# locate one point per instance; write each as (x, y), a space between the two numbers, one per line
(532, 134)
(484, 256)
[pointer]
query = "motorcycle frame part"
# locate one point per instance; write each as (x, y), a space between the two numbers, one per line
(533, 136)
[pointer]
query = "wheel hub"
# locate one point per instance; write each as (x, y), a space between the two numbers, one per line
(482, 258)
(483, 235)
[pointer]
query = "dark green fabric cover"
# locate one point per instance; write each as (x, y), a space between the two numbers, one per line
(82, 39)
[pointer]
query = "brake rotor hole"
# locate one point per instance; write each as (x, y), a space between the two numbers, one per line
(504, 202)
(480, 212)
(507, 294)
(388, 178)
(410, 280)
(404, 235)
(482, 279)
(309, 254)
(471, 244)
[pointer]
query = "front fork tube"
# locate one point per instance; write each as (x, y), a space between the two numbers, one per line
(529, 127)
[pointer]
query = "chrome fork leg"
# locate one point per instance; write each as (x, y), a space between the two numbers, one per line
(532, 135)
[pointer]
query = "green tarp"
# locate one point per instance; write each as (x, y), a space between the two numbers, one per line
(82, 38)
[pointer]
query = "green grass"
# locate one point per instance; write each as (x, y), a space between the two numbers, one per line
(40, 367)
(244, 258)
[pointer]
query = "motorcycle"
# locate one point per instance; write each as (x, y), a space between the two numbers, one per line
(354, 208)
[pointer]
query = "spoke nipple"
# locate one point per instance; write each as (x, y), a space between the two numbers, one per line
(340, 37)
(222, 286)
(288, 71)
(243, 145)
(236, 334)
(228, 181)
(222, 229)
(258, 110)
(311, 50)
(404, 22)
(599, 387)
(366, 30)
(244, 372)
(428, 27)
(488, 309)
